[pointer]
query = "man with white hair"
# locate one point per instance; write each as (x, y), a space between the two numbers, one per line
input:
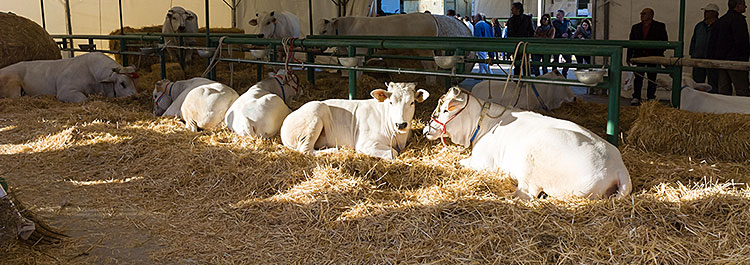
(699, 46)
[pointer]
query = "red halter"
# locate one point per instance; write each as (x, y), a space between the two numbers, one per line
(433, 117)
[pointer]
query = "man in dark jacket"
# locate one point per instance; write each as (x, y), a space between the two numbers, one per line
(519, 26)
(648, 29)
(730, 41)
(699, 46)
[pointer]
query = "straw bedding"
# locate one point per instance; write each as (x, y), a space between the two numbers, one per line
(703, 135)
(129, 187)
(24, 40)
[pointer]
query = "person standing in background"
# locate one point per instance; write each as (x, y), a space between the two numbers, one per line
(544, 31)
(583, 32)
(482, 29)
(730, 41)
(699, 46)
(519, 26)
(647, 29)
(562, 26)
(468, 23)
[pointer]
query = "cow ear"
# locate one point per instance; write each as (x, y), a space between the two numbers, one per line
(326, 21)
(272, 12)
(421, 95)
(454, 91)
(455, 103)
(112, 77)
(335, 22)
(380, 94)
(273, 20)
(253, 22)
(190, 18)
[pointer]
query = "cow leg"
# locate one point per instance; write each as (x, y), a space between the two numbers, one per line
(71, 96)
(525, 191)
(10, 86)
(302, 129)
(377, 150)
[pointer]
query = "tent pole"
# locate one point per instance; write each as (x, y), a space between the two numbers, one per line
(310, 15)
(44, 24)
(70, 27)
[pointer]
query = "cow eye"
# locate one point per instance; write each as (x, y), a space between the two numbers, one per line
(324, 32)
(412, 103)
(445, 111)
(122, 85)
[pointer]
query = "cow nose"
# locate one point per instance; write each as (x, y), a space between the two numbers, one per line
(401, 126)
(181, 28)
(260, 35)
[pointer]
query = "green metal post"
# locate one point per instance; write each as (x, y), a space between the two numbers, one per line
(613, 114)
(181, 41)
(310, 70)
(678, 52)
(460, 66)
(273, 52)
(162, 61)
(70, 27)
(123, 42)
(259, 72)
(208, 35)
(352, 76)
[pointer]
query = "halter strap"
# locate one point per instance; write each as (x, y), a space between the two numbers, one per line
(170, 84)
(283, 93)
(484, 112)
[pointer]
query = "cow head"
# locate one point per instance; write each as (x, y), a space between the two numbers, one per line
(327, 27)
(177, 19)
(161, 96)
(445, 118)
(400, 99)
(266, 22)
(122, 82)
(289, 83)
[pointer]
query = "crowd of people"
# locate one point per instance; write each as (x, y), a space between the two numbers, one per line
(719, 38)
(520, 25)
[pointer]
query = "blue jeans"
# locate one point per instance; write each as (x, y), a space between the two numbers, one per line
(483, 67)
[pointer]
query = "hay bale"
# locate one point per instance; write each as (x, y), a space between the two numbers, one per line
(662, 129)
(146, 61)
(23, 40)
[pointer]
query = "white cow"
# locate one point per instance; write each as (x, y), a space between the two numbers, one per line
(168, 96)
(179, 20)
(205, 106)
(70, 80)
(523, 96)
(543, 154)
(699, 101)
(413, 24)
(377, 127)
(276, 25)
(261, 110)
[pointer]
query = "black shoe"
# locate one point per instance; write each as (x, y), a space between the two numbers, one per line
(635, 102)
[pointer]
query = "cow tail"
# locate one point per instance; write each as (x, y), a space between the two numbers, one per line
(624, 186)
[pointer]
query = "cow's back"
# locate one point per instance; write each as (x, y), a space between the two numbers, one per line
(414, 24)
(451, 27)
(257, 112)
(205, 106)
(699, 101)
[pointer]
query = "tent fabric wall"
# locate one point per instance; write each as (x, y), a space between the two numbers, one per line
(321, 9)
(501, 8)
(102, 16)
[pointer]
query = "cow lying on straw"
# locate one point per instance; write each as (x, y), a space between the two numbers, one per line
(523, 96)
(70, 80)
(543, 154)
(200, 102)
(693, 98)
(261, 110)
(377, 127)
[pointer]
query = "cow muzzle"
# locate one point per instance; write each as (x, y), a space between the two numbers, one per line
(260, 35)
(401, 126)
(181, 28)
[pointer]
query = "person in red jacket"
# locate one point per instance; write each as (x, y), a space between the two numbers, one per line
(648, 29)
